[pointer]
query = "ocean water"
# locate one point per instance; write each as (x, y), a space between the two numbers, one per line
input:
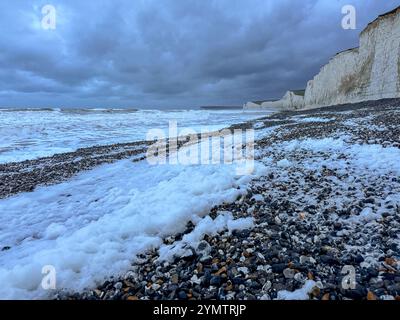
(33, 133)
(91, 226)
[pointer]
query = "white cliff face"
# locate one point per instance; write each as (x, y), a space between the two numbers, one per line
(370, 72)
(289, 101)
(292, 100)
(272, 105)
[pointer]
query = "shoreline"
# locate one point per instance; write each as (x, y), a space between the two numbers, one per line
(328, 200)
(308, 225)
(26, 175)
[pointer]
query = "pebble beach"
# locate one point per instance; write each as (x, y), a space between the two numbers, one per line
(330, 199)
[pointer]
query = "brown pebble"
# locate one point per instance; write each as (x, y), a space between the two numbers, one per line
(222, 270)
(371, 296)
(174, 279)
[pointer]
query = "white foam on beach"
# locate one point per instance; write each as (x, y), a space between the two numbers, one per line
(284, 163)
(312, 119)
(299, 294)
(92, 226)
(372, 157)
(206, 226)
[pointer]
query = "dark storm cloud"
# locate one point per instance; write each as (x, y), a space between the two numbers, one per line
(172, 53)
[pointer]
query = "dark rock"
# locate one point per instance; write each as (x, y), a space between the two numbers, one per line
(386, 214)
(238, 281)
(389, 276)
(214, 267)
(206, 260)
(285, 236)
(369, 200)
(182, 295)
(358, 259)
(337, 225)
(358, 293)
(278, 267)
(215, 281)
(328, 259)
(172, 287)
(241, 233)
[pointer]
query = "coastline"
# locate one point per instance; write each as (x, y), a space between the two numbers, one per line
(187, 159)
(299, 244)
(26, 175)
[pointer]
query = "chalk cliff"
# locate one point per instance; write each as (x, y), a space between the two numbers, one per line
(368, 72)
(255, 105)
(293, 99)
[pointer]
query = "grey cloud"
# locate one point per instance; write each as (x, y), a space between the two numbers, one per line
(172, 53)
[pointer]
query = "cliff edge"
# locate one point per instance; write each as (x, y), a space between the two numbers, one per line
(368, 72)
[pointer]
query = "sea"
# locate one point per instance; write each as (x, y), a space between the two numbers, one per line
(31, 133)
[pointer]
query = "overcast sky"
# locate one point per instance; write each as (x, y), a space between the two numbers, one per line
(169, 53)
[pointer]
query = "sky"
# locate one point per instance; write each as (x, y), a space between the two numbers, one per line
(169, 53)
